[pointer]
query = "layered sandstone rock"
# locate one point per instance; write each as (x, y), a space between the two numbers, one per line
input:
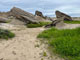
(22, 15)
(60, 15)
(59, 22)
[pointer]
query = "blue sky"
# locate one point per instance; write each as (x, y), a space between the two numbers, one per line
(48, 7)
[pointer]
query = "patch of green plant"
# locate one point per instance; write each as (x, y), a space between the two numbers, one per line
(65, 42)
(42, 59)
(37, 45)
(37, 25)
(72, 22)
(44, 54)
(5, 34)
(47, 33)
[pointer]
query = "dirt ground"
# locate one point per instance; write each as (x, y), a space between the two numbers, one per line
(25, 45)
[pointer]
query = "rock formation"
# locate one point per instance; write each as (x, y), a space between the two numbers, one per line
(26, 17)
(4, 20)
(59, 22)
(22, 15)
(60, 14)
(54, 24)
(38, 13)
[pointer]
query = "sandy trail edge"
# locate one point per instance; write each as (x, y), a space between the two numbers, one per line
(22, 47)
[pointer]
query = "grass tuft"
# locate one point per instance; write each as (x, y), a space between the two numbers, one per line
(5, 34)
(37, 25)
(44, 54)
(72, 22)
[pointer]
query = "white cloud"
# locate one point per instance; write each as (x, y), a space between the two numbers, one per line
(10, 0)
(48, 7)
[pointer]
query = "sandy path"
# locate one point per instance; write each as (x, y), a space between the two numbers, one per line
(22, 47)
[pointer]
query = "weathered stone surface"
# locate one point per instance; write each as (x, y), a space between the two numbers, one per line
(60, 14)
(54, 23)
(39, 18)
(23, 15)
(49, 18)
(4, 20)
(59, 22)
(38, 13)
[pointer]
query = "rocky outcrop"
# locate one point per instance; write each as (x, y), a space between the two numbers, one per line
(59, 22)
(22, 15)
(60, 15)
(4, 20)
(49, 18)
(55, 23)
(38, 13)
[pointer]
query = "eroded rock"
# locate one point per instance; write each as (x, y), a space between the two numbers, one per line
(59, 22)
(38, 13)
(60, 15)
(22, 15)
(4, 20)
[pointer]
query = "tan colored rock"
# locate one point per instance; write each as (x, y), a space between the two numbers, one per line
(39, 18)
(59, 22)
(4, 20)
(60, 14)
(22, 15)
(38, 13)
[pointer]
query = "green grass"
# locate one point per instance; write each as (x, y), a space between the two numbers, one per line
(37, 25)
(5, 34)
(72, 22)
(64, 42)
(44, 54)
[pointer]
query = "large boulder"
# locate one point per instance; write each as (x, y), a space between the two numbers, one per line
(60, 15)
(40, 19)
(56, 23)
(38, 13)
(22, 15)
(59, 22)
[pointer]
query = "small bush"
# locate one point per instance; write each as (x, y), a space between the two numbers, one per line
(65, 42)
(72, 22)
(5, 34)
(37, 25)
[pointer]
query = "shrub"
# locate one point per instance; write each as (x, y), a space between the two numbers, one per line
(37, 25)
(65, 42)
(5, 34)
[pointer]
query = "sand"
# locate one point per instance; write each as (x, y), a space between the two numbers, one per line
(25, 45)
